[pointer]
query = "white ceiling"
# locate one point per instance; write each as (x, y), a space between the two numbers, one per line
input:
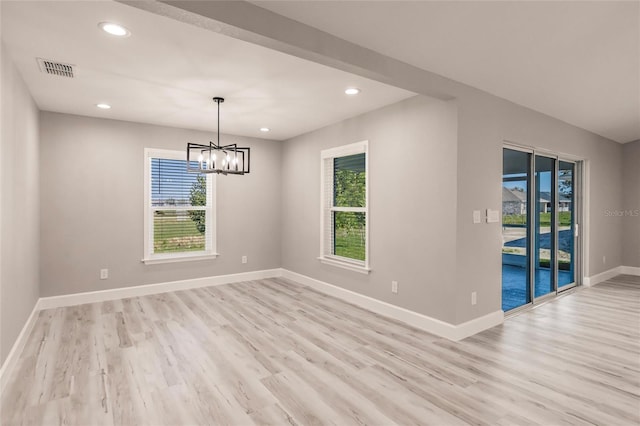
(166, 72)
(578, 61)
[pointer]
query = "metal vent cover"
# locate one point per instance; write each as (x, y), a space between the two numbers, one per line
(56, 68)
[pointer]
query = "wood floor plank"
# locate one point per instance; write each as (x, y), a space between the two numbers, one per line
(273, 352)
(301, 401)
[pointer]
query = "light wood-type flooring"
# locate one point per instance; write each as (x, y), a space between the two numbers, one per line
(275, 352)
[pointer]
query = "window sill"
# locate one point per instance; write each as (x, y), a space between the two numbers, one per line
(344, 265)
(178, 258)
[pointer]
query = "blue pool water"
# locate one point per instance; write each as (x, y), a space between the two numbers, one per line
(565, 241)
(514, 291)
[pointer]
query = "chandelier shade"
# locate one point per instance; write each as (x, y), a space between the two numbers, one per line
(216, 158)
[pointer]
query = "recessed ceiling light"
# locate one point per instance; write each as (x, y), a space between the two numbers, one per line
(114, 29)
(352, 91)
(265, 129)
(103, 106)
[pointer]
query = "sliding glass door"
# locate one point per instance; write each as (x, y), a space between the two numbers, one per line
(545, 224)
(539, 238)
(516, 290)
(567, 233)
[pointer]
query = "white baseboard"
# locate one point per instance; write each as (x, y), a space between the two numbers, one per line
(144, 290)
(423, 322)
(630, 270)
(602, 276)
(16, 350)
(607, 275)
(479, 324)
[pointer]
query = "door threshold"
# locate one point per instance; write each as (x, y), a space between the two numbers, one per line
(531, 306)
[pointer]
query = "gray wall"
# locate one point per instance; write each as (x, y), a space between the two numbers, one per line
(422, 233)
(412, 163)
(486, 121)
(92, 184)
(18, 205)
(631, 203)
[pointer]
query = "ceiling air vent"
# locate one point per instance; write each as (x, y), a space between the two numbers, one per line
(55, 68)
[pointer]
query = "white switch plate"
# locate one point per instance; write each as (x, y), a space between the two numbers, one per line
(474, 298)
(394, 287)
(476, 216)
(244, 259)
(104, 274)
(493, 216)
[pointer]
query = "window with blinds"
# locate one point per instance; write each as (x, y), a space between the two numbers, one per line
(179, 222)
(344, 213)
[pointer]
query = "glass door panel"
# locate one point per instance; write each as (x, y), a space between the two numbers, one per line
(566, 226)
(515, 229)
(544, 229)
(539, 226)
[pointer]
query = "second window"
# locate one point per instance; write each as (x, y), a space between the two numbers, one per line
(345, 205)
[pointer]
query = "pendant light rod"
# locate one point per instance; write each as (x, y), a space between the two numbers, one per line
(218, 100)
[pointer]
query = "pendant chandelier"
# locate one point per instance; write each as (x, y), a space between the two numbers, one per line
(215, 158)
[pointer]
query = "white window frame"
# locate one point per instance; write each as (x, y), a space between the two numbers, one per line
(332, 259)
(210, 217)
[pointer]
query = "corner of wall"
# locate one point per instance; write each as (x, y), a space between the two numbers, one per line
(631, 204)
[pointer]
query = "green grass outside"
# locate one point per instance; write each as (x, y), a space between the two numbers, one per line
(545, 219)
(349, 244)
(563, 265)
(174, 234)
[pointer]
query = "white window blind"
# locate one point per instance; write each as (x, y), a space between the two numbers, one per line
(179, 222)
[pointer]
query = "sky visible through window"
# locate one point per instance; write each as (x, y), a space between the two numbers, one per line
(544, 179)
(170, 182)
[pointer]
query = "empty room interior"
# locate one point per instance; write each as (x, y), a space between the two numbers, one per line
(319, 212)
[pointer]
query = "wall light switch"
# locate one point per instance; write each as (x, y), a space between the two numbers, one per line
(104, 274)
(493, 216)
(476, 216)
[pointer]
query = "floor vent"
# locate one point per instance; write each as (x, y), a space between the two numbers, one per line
(55, 68)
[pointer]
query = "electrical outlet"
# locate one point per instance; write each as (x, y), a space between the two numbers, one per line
(474, 298)
(394, 287)
(104, 274)
(244, 259)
